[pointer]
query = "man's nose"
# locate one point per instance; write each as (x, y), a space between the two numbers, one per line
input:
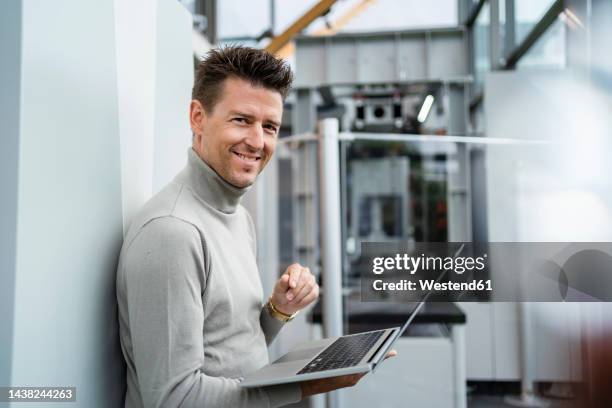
(255, 139)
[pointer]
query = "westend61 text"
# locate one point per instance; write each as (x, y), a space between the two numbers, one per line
(430, 284)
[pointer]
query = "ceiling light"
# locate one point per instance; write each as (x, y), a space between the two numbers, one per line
(424, 112)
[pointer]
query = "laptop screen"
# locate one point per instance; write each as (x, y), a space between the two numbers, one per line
(386, 348)
(422, 302)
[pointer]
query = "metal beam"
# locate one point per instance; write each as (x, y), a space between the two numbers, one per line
(509, 27)
(211, 19)
(346, 18)
(272, 16)
(319, 9)
(476, 100)
(474, 13)
(463, 10)
(494, 37)
(536, 32)
(304, 112)
(208, 8)
(289, 49)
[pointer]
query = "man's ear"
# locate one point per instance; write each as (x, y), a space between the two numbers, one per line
(197, 117)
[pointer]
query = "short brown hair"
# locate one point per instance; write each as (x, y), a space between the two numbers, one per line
(251, 64)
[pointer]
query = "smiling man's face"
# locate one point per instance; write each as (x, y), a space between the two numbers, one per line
(238, 137)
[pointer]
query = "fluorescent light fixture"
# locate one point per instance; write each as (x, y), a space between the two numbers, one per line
(429, 100)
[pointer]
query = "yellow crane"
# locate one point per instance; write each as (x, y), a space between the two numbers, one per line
(282, 44)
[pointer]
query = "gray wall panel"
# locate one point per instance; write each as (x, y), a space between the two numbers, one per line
(412, 57)
(343, 66)
(10, 66)
(311, 66)
(70, 220)
(447, 56)
(377, 59)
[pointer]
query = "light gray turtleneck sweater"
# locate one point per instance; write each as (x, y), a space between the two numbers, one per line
(190, 299)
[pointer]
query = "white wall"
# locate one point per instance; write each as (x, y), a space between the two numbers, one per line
(173, 82)
(136, 89)
(155, 76)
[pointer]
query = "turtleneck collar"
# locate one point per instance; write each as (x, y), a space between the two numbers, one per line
(210, 187)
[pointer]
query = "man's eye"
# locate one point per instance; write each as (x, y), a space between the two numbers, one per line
(240, 120)
(271, 128)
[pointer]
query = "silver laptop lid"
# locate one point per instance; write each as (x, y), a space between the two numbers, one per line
(422, 302)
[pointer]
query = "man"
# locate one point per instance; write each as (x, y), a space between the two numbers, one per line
(191, 310)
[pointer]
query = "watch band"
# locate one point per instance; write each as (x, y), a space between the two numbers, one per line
(277, 314)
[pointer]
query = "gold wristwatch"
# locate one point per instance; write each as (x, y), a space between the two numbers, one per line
(278, 315)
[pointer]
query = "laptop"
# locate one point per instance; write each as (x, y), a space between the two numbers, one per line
(335, 356)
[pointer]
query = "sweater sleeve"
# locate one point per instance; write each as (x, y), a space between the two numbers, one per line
(269, 325)
(165, 278)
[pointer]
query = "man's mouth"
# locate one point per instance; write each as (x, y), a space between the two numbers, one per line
(249, 158)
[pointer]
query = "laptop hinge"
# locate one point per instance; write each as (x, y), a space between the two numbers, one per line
(382, 343)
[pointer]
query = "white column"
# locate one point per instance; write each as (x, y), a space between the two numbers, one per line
(459, 365)
(136, 97)
(331, 237)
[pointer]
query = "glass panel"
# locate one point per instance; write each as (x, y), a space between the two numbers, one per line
(558, 190)
(377, 15)
(406, 192)
(550, 182)
(398, 192)
(237, 18)
(527, 13)
(548, 51)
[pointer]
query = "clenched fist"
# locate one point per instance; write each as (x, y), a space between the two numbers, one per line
(296, 289)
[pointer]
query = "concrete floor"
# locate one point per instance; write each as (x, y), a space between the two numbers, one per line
(474, 401)
(490, 401)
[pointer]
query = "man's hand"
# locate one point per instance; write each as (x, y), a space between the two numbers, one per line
(330, 384)
(296, 289)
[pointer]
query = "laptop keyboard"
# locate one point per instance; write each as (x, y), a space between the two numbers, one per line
(344, 352)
